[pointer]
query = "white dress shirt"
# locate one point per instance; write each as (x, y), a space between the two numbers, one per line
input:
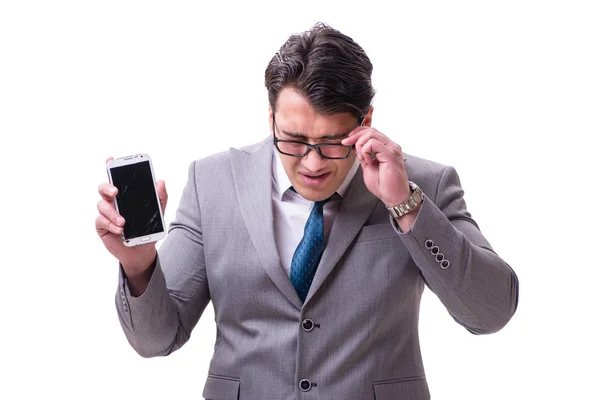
(291, 210)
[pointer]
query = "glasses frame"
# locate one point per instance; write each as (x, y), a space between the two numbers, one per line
(309, 147)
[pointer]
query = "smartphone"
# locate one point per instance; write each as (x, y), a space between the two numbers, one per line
(137, 199)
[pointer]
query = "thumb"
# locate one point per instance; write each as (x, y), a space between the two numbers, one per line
(162, 194)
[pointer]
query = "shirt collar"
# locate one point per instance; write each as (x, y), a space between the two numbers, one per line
(282, 183)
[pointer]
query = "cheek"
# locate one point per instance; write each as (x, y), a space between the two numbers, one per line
(290, 164)
(342, 168)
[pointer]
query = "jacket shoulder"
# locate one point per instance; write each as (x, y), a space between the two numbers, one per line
(220, 161)
(423, 168)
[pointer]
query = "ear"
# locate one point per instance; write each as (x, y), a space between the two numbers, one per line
(270, 121)
(368, 117)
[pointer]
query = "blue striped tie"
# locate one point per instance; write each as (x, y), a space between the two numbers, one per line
(308, 253)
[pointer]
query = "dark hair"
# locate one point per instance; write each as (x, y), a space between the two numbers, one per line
(327, 67)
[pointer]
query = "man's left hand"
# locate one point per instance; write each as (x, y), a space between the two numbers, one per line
(382, 162)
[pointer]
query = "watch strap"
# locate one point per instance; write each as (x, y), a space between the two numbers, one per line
(410, 204)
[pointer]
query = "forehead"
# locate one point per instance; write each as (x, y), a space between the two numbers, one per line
(295, 114)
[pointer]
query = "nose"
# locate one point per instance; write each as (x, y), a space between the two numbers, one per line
(313, 161)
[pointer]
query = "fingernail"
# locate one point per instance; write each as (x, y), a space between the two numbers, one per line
(118, 229)
(120, 221)
(113, 191)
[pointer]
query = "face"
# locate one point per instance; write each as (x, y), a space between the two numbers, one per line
(313, 177)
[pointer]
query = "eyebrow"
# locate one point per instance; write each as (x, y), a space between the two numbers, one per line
(331, 136)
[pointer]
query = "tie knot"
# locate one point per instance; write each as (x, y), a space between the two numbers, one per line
(320, 203)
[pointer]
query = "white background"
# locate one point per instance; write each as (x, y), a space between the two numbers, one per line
(507, 92)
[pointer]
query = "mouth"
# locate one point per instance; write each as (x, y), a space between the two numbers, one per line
(314, 179)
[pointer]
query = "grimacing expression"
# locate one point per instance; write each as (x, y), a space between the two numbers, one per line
(314, 177)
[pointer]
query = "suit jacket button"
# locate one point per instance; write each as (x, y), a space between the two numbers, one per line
(308, 325)
(439, 257)
(305, 385)
(429, 243)
(445, 264)
(435, 250)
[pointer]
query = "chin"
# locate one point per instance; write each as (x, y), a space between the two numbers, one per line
(315, 194)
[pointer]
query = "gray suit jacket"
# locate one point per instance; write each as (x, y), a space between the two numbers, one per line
(363, 305)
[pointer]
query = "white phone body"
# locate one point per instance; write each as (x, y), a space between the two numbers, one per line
(137, 199)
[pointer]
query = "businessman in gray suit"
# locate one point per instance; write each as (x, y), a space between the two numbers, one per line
(314, 247)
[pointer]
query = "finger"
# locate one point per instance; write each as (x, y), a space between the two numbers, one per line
(359, 153)
(362, 156)
(354, 140)
(108, 210)
(109, 159)
(162, 194)
(368, 154)
(359, 129)
(354, 135)
(364, 138)
(373, 134)
(107, 191)
(104, 226)
(382, 152)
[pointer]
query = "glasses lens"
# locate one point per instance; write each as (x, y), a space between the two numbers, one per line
(292, 148)
(335, 150)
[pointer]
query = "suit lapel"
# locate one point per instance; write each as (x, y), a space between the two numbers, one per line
(252, 176)
(357, 205)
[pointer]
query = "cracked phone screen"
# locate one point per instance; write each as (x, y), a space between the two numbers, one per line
(136, 199)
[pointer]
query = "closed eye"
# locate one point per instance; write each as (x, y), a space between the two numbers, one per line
(334, 138)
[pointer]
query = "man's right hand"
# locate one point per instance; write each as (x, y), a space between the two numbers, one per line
(138, 260)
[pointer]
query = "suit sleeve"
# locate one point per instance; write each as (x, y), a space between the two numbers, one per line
(476, 286)
(161, 320)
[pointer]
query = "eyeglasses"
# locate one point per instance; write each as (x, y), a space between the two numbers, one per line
(331, 151)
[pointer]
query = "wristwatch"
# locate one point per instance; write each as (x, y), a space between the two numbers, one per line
(409, 204)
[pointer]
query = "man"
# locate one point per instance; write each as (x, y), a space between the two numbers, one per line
(314, 247)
